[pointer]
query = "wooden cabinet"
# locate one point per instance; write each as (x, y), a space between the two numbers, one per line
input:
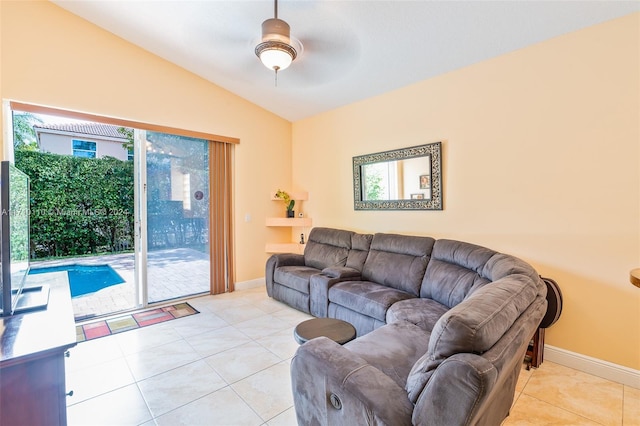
(293, 222)
(32, 367)
(535, 350)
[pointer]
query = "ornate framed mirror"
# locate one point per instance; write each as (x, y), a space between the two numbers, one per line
(401, 179)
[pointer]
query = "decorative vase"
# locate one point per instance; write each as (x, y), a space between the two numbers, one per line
(291, 213)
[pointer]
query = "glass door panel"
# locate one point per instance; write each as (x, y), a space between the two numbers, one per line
(177, 211)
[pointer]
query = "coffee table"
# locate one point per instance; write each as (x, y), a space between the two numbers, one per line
(337, 330)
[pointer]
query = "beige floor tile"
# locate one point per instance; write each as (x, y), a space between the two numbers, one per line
(269, 305)
(217, 303)
(286, 418)
(93, 352)
(96, 380)
(141, 339)
(267, 392)
(292, 316)
(589, 396)
(124, 406)
(223, 407)
(523, 377)
(242, 361)
(281, 343)
(240, 314)
(177, 387)
(533, 412)
(216, 341)
(197, 324)
(254, 294)
(163, 358)
(631, 407)
(262, 326)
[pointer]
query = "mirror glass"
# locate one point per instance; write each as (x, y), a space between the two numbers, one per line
(402, 179)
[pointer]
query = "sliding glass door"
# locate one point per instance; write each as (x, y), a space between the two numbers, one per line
(174, 250)
(136, 203)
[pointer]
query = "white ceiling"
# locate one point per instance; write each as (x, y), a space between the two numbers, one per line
(352, 49)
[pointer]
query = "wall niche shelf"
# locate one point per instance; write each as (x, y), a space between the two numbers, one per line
(288, 221)
(298, 196)
(292, 222)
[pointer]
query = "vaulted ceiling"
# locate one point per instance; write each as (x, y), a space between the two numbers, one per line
(352, 50)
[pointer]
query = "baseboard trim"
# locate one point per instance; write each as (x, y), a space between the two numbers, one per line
(245, 285)
(597, 367)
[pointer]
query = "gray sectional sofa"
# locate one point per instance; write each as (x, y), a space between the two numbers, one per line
(442, 325)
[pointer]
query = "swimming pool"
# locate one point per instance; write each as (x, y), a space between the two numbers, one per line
(84, 279)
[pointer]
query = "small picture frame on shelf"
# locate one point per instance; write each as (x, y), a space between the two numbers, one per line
(425, 181)
(418, 196)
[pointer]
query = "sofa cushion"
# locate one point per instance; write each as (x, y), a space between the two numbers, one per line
(501, 265)
(360, 244)
(422, 312)
(327, 247)
(392, 349)
(362, 323)
(473, 326)
(455, 270)
(366, 298)
(295, 277)
(398, 261)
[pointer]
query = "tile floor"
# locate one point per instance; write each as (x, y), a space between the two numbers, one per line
(229, 365)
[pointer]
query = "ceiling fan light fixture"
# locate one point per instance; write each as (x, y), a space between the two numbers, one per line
(275, 55)
(275, 50)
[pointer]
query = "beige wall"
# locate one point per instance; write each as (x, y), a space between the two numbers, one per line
(540, 159)
(53, 58)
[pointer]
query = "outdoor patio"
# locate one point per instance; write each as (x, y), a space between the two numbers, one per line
(171, 274)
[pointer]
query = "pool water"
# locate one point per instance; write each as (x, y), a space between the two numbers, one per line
(84, 279)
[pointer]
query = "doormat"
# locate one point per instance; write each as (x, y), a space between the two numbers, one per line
(132, 321)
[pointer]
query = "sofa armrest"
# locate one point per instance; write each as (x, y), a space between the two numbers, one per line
(343, 272)
(456, 390)
(331, 384)
(276, 261)
(288, 259)
(320, 284)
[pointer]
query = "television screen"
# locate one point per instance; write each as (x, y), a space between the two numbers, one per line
(14, 234)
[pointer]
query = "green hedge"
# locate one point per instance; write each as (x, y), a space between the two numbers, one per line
(78, 205)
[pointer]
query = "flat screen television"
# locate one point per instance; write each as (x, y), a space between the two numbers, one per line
(14, 244)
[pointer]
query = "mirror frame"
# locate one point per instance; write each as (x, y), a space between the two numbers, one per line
(435, 203)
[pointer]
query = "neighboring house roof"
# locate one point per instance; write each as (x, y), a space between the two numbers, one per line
(93, 129)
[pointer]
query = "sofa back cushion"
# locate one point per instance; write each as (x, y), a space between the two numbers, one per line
(398, 261)
(501, 265)
(474, 325)
(455, 270)
(360, 244)
(327, 247)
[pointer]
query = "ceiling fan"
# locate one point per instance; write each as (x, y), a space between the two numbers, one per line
(232, 43)
(275, 50)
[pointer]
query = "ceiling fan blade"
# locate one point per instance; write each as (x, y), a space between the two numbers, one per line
(324, 60)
